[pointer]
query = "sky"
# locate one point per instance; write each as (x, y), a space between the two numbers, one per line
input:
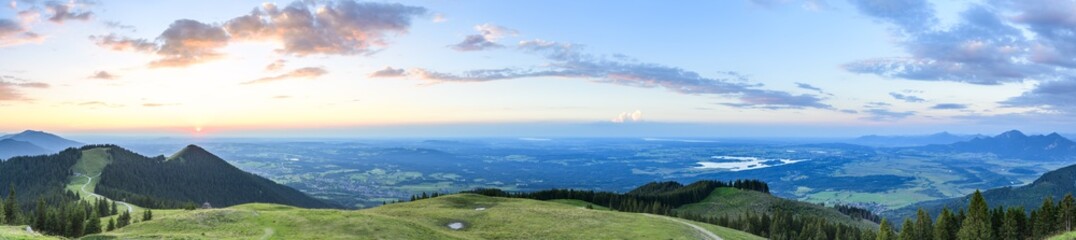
(757, 68)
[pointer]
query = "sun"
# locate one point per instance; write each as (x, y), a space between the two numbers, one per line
(197, 129)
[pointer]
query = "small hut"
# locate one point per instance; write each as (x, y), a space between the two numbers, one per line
(206, 205)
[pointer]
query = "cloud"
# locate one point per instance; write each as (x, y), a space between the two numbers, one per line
(1057, 95)
(439, 18)
(10, 90)
(388, 72)
(119, 43)
(119, 26)
(281, 97)
(949, 106)
(159, 104)
(336, 28)
(66, 11)
(566, 61)
(910, 15)
(624, 117)
(992, 43)
(906, 98)
(13, 33)
(487, 37)
(97, 104)
(303, 28)
(103, 75)
(187, 42)
(275, 65)
(878, 114)
(307, 72)
(809, 87)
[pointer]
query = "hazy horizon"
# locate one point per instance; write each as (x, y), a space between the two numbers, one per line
(749, 68)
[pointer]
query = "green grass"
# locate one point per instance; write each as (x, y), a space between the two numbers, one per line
(91, 164)
(735, 202)
(501, 218)
(1064, 236)
(19, 233)
(578, 203)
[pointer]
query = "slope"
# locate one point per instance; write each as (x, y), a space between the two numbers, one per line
(11, 148)
(1054, 184)
(479, 217)
(734, 202)
(189, 178)
(1015, 144)
(44, 140)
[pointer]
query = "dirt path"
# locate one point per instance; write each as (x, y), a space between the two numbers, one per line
(90, 180)
(268, 233)
(704, 234)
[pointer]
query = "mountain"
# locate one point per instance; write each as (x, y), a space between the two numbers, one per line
(1054, 184)
(1015, 144)
(909, 141)
(44, 140)
(11, 148)
(192, 176)
(476, 216)
(737, 202)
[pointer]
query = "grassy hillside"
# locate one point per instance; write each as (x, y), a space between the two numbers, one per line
(481, 218)
(1055, 184)
(19, 233)
(735, 202)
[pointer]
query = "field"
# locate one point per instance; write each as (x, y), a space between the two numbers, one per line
(735, 202)
(19, 233)
(479, 217)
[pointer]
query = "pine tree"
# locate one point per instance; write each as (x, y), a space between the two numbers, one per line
(2, 211)
(885, 232)
(1066, 212)
(1010, 228)
(77, 222)
(95, 224)
(111, 224)
(40, 214)
(147, 215)
(1045, 223)
(976, 224)
(123, 220)
(945, 228)
(908, 231)
(11, 207)
(923, 225)
(115, 209)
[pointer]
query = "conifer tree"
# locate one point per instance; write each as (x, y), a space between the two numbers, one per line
(94, 226)
(1066, 212)
(907, 230)
(147, 215)
(11, 207)
(976, 224)
(111, 224)
(1010, 228)
(923, 225)
(885, 232)
(945, 228)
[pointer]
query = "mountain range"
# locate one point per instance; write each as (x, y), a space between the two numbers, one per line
(911, 140)
(30, 143)
(1015, 144)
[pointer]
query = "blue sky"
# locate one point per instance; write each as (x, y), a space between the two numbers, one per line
(643, 68)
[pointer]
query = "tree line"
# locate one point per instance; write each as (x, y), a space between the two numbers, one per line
(72, 218)
(981, 222)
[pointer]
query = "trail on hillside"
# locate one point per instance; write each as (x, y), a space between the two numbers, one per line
(90, 180)
(268, 233)
(705, 234)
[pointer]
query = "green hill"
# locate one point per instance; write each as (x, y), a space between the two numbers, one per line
(192, 176)
(1055, 184)
(20, 233)
(479, 217)
(734, 203)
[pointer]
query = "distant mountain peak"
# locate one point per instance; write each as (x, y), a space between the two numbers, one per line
(43, 139)
(1012, 134)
